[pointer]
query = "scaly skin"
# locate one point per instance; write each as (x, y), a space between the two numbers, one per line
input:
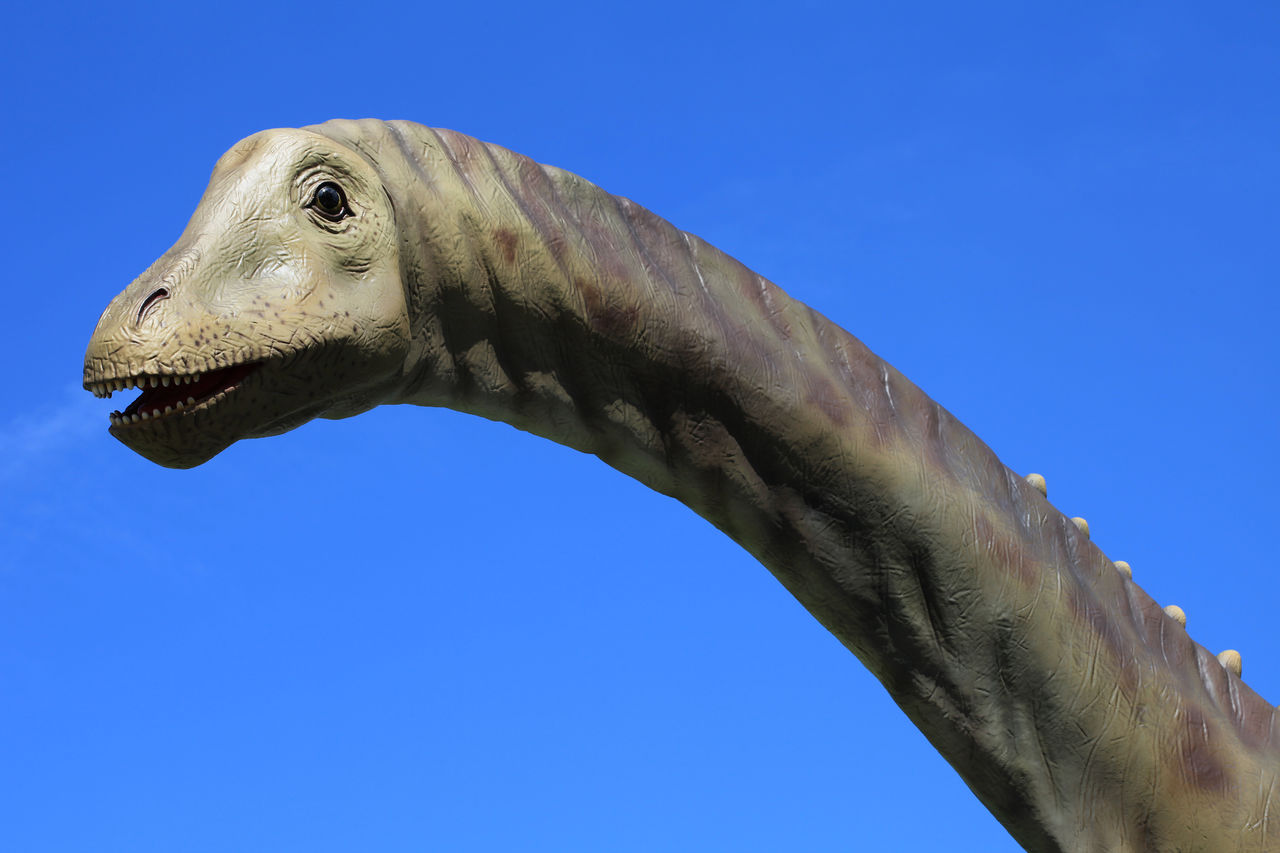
(450, 272)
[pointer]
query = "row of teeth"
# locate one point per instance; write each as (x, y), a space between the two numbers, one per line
(117, 418)
(105, 389)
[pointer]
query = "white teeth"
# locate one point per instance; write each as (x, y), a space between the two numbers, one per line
(107, 387)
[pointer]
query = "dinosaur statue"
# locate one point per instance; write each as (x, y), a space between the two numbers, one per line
(334, 268)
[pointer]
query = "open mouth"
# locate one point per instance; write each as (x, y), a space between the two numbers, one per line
(171, 394)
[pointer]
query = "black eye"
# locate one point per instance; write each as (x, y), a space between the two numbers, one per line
(330, 202)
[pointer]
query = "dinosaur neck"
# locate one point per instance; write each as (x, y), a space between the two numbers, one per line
(989, 617)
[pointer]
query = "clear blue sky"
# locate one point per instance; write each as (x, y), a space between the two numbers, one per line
(415, 630)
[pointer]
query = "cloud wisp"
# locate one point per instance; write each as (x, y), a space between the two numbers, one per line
(38, 434)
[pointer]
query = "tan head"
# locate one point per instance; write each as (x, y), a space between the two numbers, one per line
(281, 302)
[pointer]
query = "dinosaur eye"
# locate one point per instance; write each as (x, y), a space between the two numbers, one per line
(330, 202)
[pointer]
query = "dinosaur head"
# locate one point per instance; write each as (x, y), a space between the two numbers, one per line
(282, 301)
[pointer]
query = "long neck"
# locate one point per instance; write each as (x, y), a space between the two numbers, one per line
(1080, 714)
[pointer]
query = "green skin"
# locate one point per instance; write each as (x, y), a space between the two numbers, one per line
(449, 272)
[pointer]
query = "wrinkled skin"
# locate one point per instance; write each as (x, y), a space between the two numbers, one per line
(262, 277)
(335, 268)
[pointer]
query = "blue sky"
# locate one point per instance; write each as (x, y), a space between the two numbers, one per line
(415, 630)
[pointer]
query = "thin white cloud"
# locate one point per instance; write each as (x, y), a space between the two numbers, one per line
(44, 431)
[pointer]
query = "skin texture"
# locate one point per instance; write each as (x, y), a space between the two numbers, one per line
(456, 273)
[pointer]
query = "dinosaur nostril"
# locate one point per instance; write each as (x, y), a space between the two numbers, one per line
(151, 301)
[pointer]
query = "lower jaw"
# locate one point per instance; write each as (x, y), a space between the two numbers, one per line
(173, 442)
